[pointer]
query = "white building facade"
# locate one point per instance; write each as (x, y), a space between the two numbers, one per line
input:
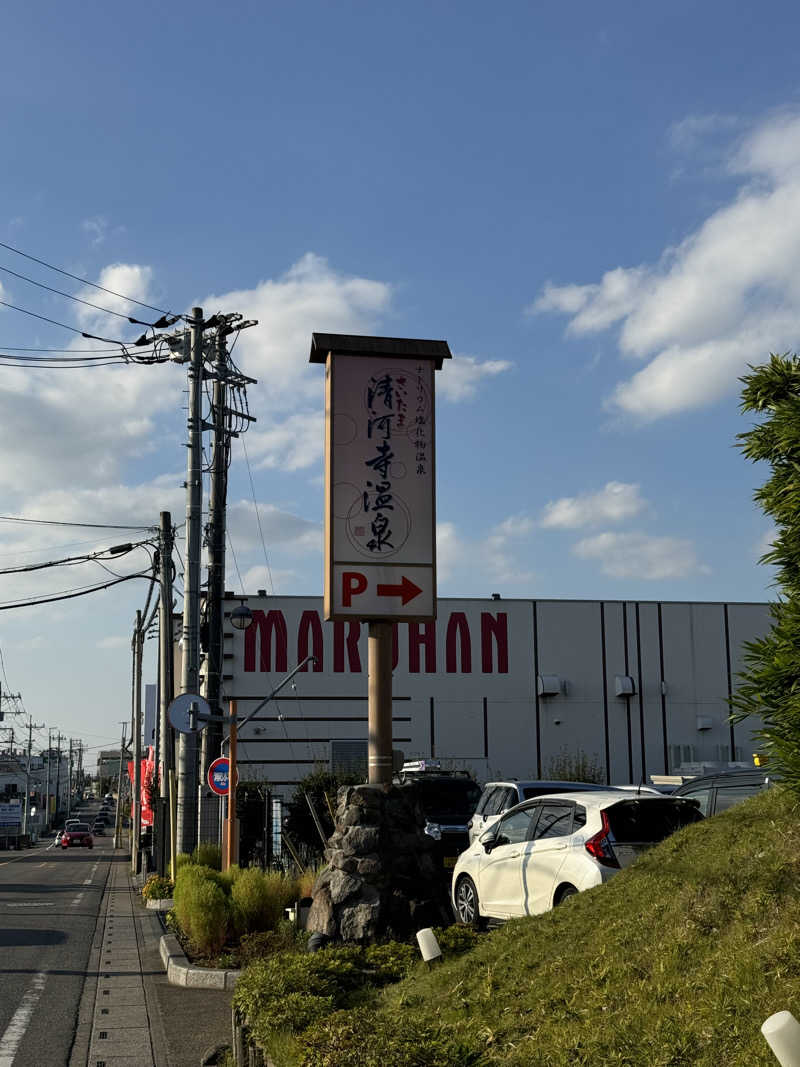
(501, 687)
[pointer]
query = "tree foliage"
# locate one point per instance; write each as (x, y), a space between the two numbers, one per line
(769, 685)
(320, 788)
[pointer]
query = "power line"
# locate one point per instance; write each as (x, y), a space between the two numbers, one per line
(70, 296)
(90, 557)
(25, 348)
(258, 518)
(55, 322)
(70, 595)
(83, 281)
(235, 563)
(56, 522)
(112, 355)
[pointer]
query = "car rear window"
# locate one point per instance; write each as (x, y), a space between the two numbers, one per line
(80, 828)
(449, 799)
(650, 820)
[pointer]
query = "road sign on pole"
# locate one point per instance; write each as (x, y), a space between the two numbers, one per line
(187, 713)
(380, 475)
(218, 775)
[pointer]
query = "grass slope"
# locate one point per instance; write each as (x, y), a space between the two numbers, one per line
(677, 961)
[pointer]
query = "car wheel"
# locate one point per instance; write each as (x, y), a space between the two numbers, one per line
(567, 892)
(466, 900)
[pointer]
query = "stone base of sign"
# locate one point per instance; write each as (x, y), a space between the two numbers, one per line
(382, 880)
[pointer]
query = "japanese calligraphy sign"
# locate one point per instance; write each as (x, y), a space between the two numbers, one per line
(380, 486)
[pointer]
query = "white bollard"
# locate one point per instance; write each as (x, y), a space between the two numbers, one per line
(428, 945)
(782, 1033)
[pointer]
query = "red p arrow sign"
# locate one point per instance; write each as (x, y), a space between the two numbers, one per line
(407, 590)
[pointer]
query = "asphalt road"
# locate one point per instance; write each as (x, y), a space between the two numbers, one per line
(49, 904)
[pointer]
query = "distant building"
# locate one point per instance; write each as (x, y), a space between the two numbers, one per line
(107, 769)
(502, 687)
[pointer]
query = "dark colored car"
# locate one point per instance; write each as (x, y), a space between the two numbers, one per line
(717, 792)
(99, 829)
(78, 836)
(448, 800)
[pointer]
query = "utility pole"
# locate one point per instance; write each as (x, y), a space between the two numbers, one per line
(212, 735)
(118, 819)
(136, 805)
(190, 675)
(69, 788)
(166, 687)
(31, 727)
(59, 739)
(47, 795)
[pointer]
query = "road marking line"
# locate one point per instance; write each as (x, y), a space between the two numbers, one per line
(15, 1031)
(77, 900)
(87, 881)
(32, 904)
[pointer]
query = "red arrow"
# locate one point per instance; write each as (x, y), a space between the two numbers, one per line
(407, 590)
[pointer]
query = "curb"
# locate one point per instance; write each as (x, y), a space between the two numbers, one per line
(163, 904)
(181, 972)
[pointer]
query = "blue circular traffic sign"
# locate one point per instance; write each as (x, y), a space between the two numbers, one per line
(218, 774)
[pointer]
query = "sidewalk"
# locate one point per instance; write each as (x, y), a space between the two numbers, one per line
(130, 1016)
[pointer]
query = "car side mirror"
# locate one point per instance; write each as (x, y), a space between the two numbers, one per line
(488, 842)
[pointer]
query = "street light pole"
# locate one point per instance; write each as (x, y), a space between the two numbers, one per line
(118, 819)
(136, 805)
(31, 727)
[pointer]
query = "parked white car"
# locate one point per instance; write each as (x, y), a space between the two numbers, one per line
(498, 797)
(545, 850)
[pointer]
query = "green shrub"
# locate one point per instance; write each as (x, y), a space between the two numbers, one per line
(252, 902)
(390, 962)
(283, 891)
(293, 1012)
(209, 918)
(181, 860)
(190, 891)
(157, 888)
(208, 855)
(284, 938)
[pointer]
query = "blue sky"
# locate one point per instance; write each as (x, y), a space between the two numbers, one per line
(599, 210)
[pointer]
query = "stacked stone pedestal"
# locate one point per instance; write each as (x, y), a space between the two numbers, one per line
(382, 879)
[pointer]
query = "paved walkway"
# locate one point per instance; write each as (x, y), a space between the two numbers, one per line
(127, 999)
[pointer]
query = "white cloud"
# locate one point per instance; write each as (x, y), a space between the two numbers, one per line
(637, 555)
(451, 552)
(726, 296)
(460, 377)
(280, 528)
(310, 296)
(615, 502)
(291, 444)
(128, 279)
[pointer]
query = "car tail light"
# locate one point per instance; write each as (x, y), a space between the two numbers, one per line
(599, 845)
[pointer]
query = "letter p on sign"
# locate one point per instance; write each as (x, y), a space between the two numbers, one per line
(353, 584)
